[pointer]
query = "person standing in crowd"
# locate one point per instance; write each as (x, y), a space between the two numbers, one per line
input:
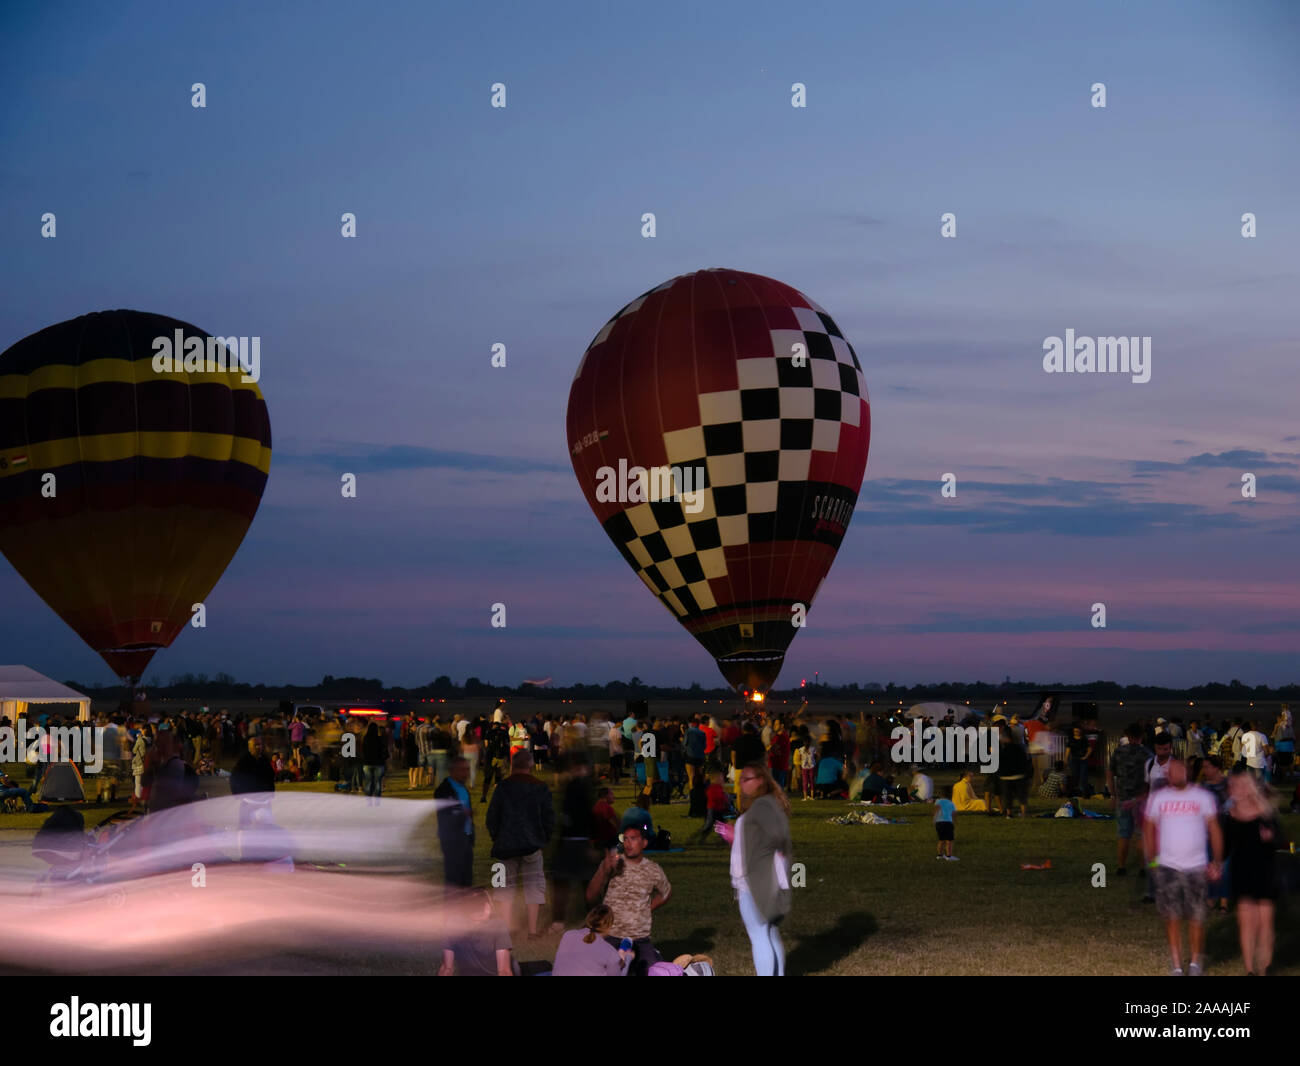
(496, 750)
(778, 754)
(1283, 737)
(945, 815)
(539, 741)
(355, 766)
(1080, 751)
(170, 780)
(711, 736)
(633, 888)
(1157, 777)
(139, 755)
(760, 865)
(521, 820)
(1209, 775)
(1181, 826)
(518, 736)
(441, 746)
(717, 805)
(1252, 836)
(424, 775)
(807, 762)
(747, 749)
(374, 761)
(1229, 747)
(456, 825)
(1126, 780)
(574, 860)
(1013, 772)
(731, 734)
(604, 821)
(694, 746)
(849, 733)
(297, 732)
(1254, 751)
(471, 746)
(410, 748)
(110, 754)
(1038, 743)
(615, 734)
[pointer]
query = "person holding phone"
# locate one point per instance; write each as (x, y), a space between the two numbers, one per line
(633, 888)
(760, 864)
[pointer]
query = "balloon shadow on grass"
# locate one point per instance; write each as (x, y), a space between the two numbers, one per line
(821, 951)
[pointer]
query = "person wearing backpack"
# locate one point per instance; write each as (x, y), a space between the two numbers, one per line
(1230, 744)
(760, 864)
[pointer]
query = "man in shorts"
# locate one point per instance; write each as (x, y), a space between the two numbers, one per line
(694, 744)
(1126, 779)
(520, 820)
(1181, 820)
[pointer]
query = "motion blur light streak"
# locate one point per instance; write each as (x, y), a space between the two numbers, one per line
(128, 897)
(245, 917)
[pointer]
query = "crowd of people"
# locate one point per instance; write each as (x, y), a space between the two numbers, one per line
(739, 776)
(598, 856)
(1207, 829)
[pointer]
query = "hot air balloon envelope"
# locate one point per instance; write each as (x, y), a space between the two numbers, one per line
(125, 490)
(719, 427)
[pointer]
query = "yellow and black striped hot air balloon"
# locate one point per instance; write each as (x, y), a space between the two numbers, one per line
(157, 475)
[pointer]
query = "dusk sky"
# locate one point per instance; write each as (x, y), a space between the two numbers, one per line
(522, 226)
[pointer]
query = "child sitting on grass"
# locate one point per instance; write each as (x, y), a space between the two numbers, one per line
(945, 814)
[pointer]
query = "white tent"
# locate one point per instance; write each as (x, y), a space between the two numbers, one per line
(21, 686)
(934, 712)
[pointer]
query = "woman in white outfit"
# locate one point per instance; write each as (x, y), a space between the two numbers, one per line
(760, 865)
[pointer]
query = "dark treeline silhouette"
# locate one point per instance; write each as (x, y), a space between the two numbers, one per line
(330, 688)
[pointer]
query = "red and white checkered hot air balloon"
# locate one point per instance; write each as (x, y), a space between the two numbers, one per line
(719, 427)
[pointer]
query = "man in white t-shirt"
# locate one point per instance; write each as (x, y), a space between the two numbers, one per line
(1254, 748)
(1157, 769)
(1181, 820)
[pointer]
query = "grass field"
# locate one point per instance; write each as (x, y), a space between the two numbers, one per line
(877, 902)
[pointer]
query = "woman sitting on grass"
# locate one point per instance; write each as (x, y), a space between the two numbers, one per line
(586, 953)
(964, 797)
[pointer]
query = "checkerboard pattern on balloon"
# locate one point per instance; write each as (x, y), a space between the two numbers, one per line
(757, 446)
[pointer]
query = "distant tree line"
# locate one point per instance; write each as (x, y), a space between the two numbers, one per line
(224, 687)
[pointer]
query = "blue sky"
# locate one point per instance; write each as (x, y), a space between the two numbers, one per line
(478, 225)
